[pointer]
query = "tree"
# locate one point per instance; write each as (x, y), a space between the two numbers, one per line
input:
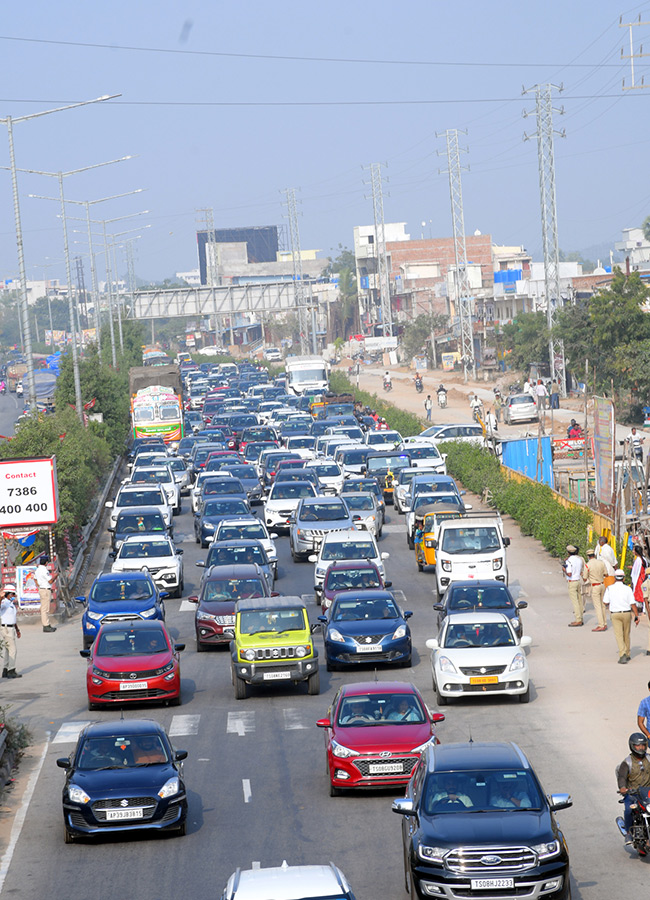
(587, 264)
(344, 318)
(646, 228)
(416, 336)
(526, 337)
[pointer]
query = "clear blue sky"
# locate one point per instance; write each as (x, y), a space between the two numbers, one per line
(238, 158)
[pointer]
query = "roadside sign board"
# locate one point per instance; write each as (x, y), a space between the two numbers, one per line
(28, 492)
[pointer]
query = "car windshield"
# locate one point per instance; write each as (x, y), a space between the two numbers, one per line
(233, 589)
(226, 556)
(291, 490)
(360, 610)
(481, 539)
(478, 634)
(386, 463)
(131, 524)
(361, 710)
(326, 470)
(423, 500)
(225, 508)
(323, 512)
(353, 457)
(140, 498)
(424, 452)
(177, 465)
(384, 437)
(124, 589)
(121, 752)
(145, 549)
(480, 791)
(242, 471)
(140, 477)
(275, 621)
(131, 642)
(235, 532)
(516, 401)
(360, 501)
(302, 443)
(335, 550)
(352, 579)
(223, 486)
(495, 596)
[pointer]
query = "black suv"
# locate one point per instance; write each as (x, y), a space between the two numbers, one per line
(477, 823)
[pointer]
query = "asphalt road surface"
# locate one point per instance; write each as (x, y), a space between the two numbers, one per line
(10, 408)
(258, 790)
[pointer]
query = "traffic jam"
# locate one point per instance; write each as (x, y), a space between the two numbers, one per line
(271, 481)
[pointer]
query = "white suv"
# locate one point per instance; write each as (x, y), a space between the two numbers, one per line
(340, 546)
(157, 555)
(287, 882)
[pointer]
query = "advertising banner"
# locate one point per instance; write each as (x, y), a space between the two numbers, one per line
(28, 492)
(604, 449)
(27, 589)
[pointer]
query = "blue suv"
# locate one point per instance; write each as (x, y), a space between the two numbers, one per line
(120, 597)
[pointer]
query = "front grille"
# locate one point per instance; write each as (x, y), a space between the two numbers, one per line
(123, 617)
(77, 820)
(147, 804)
(133, 695)
(171, 813)
(483, 670)
(275, 653)
(369, 638)
(126, 676)
(225, 620)
(519, 890)
(467, 860)
(409, 763)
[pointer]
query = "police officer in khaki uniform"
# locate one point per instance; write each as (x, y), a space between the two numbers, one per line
(596, 571)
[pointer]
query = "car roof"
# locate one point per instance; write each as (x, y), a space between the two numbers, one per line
(120, 576)
(134, 625)
(477, 582)
(289, 883)
(270, 603)
(146, 536)
(234, 570)
(478, 754)
(122, 726)
(365, 595)
(476, 617)
(469, 522)
(378, 687)
(342, 564)
(347, 534)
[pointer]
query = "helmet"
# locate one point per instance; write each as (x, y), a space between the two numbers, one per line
(634, 741)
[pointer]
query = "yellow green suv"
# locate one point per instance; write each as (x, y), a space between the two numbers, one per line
(273, 643)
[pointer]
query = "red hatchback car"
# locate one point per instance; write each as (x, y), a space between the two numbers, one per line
(375, 734)
(133, 661)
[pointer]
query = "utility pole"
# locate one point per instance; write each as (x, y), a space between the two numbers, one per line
(635, 86)
(130, 268)
(299, 285)
(211, 275)
(82, 297)
(546, 158)
(464, 298)
(380, 249)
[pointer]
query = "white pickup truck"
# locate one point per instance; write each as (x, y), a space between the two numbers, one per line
(468, 548)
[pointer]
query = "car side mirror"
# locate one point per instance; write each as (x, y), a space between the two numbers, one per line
(557, 801)
(80, 599)
(112, 555)
(322, 619)
(408, 614)
(506, 542)
(388, 584)
(385, 555)
(200, 564)
(323, 723)
(522, 604)
(180, 755)
(313, 558)
(525, 641)
(164, 594)
(439, 606)
(178, 648)
(438, 717)
(314, 627)
(85, 654)
(63, 762)
(432, 644)
(273, 536)
(468, 506)
(404, 806)
(109, 504)
(179, 552)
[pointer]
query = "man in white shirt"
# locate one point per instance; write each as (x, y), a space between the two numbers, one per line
(574, 570)
(9, 630)
(605, 551)
(541, 394)
(619, 598)
(44, 582)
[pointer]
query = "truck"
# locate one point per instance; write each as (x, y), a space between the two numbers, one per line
(306, 374)
(15, 372)
(146, 376)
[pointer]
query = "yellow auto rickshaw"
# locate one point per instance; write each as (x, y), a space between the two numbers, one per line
(426, 532)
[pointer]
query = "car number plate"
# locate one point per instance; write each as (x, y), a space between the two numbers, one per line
(133, 813)
(485, 679)
(385, 768)
(491, 884)
(369, 648)
(276, 676)
(133, 685)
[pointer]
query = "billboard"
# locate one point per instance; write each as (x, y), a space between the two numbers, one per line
(28, 492)
(604, 450)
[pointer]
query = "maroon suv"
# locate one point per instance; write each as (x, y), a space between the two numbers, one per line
(351, 575)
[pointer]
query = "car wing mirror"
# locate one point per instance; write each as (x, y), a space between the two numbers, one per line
(313, 558)
(439, 606)
(560, 801)
(522, 604)
(273, 536)
(322, 619)
(506, 542)
(314, 627)
(323, 723)
(468, 506)
(200, 564)
(85, 654)
(437, 717)
(404, 806)
(80, 599)
(112, 555)
(385, 555)
(178, 648)
(164, 594)
(432, 644)
(180, 755)
(109, 504)
(180, 552)
(525, 641)
(408, 614)
(63, 762)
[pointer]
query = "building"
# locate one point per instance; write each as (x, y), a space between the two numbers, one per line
(191, 278)
(635, 248)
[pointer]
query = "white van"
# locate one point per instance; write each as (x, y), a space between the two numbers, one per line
(470, 548)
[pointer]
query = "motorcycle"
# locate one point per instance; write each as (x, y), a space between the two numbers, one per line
(639, 833)
(419, 387)
(477, 413)
(3, 388)
(388, 385)
(442, 399)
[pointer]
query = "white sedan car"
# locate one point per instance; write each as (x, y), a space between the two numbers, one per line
(478, 653)
(244, 527)
(158, 555)
(339, 546)
(283, 500)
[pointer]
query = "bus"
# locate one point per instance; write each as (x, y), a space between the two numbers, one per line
(156, 412)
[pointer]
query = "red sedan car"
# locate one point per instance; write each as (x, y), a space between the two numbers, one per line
(133, 661)
(375, 734)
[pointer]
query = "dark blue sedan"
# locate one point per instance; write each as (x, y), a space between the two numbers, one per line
(213, 511)
(119, 595)
(366, 627)
(121, 777)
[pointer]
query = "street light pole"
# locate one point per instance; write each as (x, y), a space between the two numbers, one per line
(73, 324)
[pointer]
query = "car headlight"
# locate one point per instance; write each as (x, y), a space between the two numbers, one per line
(169, 788)
(446, 565)
(164, 669)
(94, 615)
(341, 751)
(515, 622)
(497, 563)
(431, 854)
(203, 616)
(335, 635)
(208, 526)
(430, 543)
(399, 632)
(320, 572)
(446, 665)
(77, 794)
(546, 851)
(248, 655)
(301, 652)
(101, 673)
(519, 662)
(424, 746)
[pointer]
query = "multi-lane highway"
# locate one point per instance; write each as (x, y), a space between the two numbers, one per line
(258, 791)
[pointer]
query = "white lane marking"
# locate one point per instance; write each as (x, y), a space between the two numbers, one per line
(203, 759)
(69, 732)
(184, 725)
(400, 596)
(186, 606)
(246, 785)
(292, 719)
(241, 723)
(256, 864)
(19, 821)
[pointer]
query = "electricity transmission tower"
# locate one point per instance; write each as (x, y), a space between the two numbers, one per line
(464, 299)
(546, 158)
(635, 85)
(380, 249)
(211, 275)
(299, 284)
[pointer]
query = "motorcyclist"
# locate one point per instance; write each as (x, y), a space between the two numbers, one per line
(635, 440)
(3, 387)
(442, 395)
(632, 774)
(418, 381)
(388, 380)
(476, 405)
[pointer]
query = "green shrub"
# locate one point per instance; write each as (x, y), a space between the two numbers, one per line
(18, 735)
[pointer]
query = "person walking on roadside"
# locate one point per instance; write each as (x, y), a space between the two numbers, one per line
(44, 582)
(596, 572)
(643, 714)
(555, 395)
(9, 630)
(638, 575)
(541, 394)
(491, 424)
(619, 598)
(605, 551)
(498, 405)
(574, 569)
(428, 405)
